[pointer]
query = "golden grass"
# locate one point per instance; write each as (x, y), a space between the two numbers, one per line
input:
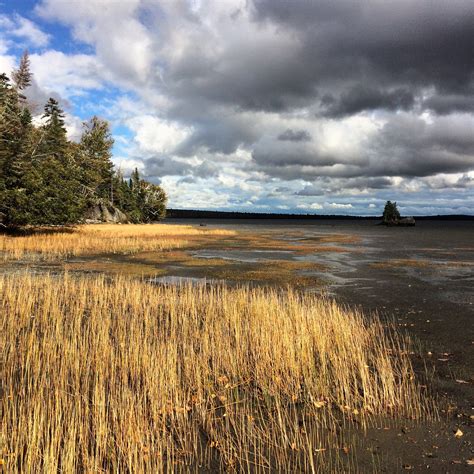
(125, 376)
(101, 238)
(419, 263)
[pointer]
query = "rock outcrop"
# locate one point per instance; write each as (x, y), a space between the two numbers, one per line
(104, 212)
(407, 221)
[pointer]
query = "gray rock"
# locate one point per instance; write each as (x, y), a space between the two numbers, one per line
(104, 212)
(407, 221)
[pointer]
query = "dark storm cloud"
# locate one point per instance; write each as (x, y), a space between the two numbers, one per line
(360, 98)
(366, 55)
(332, 60)
(294, 136)
(406, 43)
(282, 154)
(408, 146)
(167, 166)
(217, 134)
(449, 103)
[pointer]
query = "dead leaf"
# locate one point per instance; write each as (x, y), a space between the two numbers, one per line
(461, 381)
(319, 404)
(408, 467)
(222, 379)
(458, 433)
(470, 462)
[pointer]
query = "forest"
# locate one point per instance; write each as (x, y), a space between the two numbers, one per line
(48, 179)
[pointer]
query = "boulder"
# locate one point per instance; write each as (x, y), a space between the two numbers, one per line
(104, 212)
(407, 221)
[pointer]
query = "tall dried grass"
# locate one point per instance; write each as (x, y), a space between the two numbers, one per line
(100, 238)
(126, 376)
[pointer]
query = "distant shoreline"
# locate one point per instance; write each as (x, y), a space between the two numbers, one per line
(198, 214)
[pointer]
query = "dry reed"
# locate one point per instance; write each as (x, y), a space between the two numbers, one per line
(122, 375)
(100, 238)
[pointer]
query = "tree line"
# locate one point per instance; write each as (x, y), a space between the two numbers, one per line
(45, 178)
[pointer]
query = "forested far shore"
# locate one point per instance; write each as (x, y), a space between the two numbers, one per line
(203, 214)
(46, 178)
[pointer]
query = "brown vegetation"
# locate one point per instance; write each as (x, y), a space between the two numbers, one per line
(101, 238)
(419, 263)
(126, 376)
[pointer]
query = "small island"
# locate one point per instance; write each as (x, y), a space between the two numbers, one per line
(391, 216)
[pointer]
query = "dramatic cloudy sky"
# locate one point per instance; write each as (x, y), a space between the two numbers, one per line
(267, 105)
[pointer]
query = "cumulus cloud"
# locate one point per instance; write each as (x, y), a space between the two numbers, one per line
(348, 103)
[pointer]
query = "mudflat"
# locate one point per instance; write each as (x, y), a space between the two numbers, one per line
(421, 278)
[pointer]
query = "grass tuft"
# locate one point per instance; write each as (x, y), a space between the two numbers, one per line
(119, 375)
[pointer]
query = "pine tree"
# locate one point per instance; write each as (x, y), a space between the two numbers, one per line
(43, 175)
(390, 213)
(15, 127)
(58, 199)
(55, 135)
(96, 158)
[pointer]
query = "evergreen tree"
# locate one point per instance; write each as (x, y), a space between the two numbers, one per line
(58, 198)
(15, 130)
(96, 158)
(55, 135)
(47, 179)
(390, 213)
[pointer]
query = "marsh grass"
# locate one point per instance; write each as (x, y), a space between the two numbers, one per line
(119, 375)
(44, 244)
(419, 263)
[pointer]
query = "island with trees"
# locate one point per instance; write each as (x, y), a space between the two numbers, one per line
(391, 216)
(46, 178)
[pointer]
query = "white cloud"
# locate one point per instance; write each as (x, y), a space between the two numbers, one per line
(7, 64)
(20, 27)
(336, 205)
(31, 32)
(66, 74)
(314, 205)
(154, 135)
(122, 43)
(126, 165)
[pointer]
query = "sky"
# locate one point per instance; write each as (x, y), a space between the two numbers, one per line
(298, 106)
